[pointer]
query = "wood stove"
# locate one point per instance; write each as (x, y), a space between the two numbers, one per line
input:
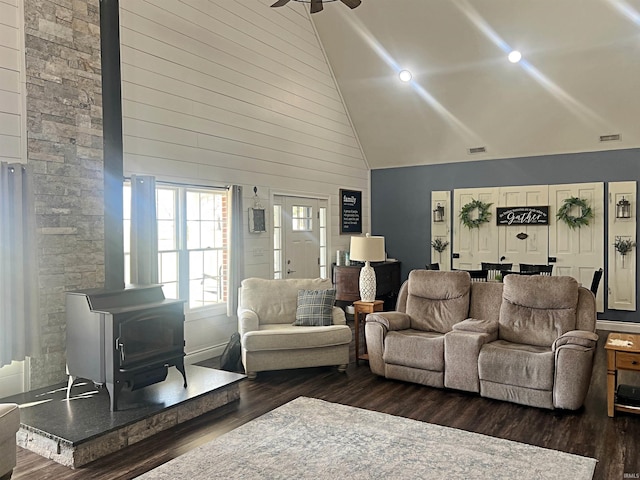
(124, 338)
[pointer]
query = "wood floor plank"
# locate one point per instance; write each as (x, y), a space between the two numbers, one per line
(589, 431)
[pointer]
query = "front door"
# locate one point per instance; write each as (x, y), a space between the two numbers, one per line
(301, 246)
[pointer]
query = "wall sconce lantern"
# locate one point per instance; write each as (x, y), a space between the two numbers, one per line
(438, 213)
(623, 208)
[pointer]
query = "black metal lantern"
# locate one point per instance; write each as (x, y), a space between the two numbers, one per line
(623, 208)
(438, 213)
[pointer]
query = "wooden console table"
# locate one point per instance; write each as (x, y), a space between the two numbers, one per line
(363, 308)
(346, 279)
(623, 353)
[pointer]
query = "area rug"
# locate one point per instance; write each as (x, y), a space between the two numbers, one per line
(314, 439)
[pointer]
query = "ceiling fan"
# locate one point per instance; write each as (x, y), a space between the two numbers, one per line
(316, 5)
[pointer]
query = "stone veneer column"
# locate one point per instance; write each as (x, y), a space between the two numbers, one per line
(65, 149)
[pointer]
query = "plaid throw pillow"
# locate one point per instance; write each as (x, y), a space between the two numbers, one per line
(315, 307)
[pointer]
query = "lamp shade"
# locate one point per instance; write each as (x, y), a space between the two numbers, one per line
(367, 249)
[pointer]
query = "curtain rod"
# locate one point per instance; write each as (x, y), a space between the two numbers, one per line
(178, 184)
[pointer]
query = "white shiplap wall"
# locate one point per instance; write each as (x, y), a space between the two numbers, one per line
(12, 129)
(219, 92)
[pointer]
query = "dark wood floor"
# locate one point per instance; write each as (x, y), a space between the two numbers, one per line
(614, 442)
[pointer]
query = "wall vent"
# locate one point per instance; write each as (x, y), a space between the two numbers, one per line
(475, 150)
(610, 138)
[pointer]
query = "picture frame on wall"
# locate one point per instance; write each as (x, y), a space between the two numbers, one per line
(257, 220)
(350, 211)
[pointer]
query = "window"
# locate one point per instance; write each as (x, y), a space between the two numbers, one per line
(302, 219)
(322, 214)
(277, 241)
(192, 243)
(167, 208)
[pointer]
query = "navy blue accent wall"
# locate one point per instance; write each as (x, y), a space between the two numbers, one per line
(401, 197)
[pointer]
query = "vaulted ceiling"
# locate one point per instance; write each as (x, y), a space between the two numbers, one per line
(579, 77)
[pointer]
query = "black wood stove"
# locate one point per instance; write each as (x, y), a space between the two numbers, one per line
(124, 338)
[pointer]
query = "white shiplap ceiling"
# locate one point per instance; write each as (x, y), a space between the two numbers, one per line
(579, 78)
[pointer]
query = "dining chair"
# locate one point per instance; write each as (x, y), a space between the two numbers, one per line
(597, 276)
(540, 269)
(478, 275)
(494, 269)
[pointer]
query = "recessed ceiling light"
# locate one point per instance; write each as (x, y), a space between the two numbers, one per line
(514, 56)
(405, 75)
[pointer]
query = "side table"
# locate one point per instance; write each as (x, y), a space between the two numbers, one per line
(623, 353)
(363, 308)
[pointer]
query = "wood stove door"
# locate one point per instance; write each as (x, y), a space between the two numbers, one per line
(149, 337)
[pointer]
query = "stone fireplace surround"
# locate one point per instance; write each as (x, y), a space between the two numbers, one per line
(81, 429)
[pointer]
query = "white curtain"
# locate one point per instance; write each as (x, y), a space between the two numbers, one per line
(144, 230)
(19, 325)
(236, 249)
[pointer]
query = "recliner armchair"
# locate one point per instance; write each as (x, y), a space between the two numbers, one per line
(408, 344)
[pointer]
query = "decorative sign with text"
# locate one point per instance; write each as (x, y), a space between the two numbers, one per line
(350, 211)
(523, 215)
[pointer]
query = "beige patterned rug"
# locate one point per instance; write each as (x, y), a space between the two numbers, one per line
(314, 439)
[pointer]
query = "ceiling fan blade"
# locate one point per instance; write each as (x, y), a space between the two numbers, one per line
(351, 3)
(280, 3)
(316, 6)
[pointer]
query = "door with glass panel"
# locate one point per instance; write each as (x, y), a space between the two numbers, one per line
(300, 237)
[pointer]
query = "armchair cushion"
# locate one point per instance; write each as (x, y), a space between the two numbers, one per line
(437, 300)
(275, 301)
(517, 364)
(288, 337)
(537, 309)
(416, 349)
(315, 307)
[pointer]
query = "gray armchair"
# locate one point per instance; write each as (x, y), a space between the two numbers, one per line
(546, 342)
(409, 344)
(9, 425)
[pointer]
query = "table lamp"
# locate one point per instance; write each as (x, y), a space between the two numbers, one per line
(367, 249)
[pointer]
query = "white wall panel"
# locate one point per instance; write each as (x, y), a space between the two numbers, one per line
(12, 379)
(12, 119)
(219, 92)
(152, 88)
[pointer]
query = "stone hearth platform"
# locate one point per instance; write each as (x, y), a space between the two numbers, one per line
(81, 429)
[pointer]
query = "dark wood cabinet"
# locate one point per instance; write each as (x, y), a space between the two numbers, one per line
(345, 280)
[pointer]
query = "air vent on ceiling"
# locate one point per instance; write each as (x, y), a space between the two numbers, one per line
(475, 150)
(610, 138)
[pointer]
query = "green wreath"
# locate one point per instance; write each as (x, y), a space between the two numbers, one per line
(484, 215)
(586, 213)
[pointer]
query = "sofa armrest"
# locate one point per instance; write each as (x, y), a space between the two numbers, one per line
(338, 316)
(574, 365)
(477, 326)
(576, 337)
(376, 328)
(390, 320)
(247, 321)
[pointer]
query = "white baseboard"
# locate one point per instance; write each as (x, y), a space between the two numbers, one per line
(204, 354)
(613, 326)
